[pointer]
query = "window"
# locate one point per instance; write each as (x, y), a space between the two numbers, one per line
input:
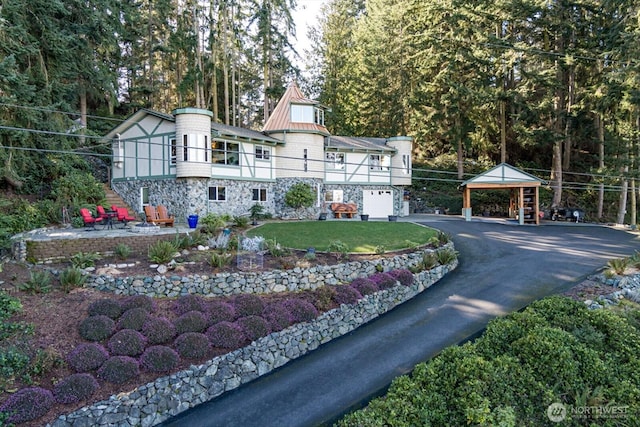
(144, 197)
(335, 161)
(185, 148)
(174, 150)
(259, 195)
(225, 153)
(378, 162)
(307, 114)
(218, 193)
(319, 116)
(406, 164)
(262, 153)
(333, 196)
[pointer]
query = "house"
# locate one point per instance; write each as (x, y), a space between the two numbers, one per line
(194, 165)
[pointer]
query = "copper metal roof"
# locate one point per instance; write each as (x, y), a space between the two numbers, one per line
(280, 119)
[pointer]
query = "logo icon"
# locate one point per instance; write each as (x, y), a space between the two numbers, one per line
(556, 412)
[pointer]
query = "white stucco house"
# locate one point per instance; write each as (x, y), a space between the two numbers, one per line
(194, 165)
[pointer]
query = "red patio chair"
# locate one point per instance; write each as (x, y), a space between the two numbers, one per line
(101, 212)
(124, 217)
(89, 220)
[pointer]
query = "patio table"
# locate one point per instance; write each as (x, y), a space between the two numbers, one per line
(110, 215)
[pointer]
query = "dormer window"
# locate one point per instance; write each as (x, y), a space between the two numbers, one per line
(307, 114)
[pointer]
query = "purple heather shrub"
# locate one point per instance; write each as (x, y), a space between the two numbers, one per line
(254, 327)
(159, 358)
(75, 388)
(277, 316)
(87, 357)
(346, 295)
(383, 280)
(187, 303)
(220, 311)
(139, 301)
(97, 328)
(133, 318)
(192, 345)
(158, 330)
(106, 307)
(248, 304)
(27, 404)
(191, 321)
(322, 297)
(364, 285)
(127, 342)
(404, 276)
(300, 310)
(119, 369)
(226, 335)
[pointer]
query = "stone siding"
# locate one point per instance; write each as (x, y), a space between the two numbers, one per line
(159, 400)
(184, 197)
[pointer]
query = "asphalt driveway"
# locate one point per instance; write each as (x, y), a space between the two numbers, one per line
(503, 267)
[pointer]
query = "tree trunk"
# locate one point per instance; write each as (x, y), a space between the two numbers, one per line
(600, 124)
(622, 204)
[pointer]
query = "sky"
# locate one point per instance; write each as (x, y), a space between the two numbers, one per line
(305, 16)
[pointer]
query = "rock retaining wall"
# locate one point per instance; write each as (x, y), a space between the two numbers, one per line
(157, 401)
(223, 284)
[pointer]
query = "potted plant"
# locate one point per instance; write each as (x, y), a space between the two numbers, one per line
(364, 217)
(193, 220)
(393, 218)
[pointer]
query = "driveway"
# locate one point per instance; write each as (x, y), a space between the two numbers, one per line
(503, 267)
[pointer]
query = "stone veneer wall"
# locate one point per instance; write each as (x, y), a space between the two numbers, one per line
(159, 400)
(185, 197)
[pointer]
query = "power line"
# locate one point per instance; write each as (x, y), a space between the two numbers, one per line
(68, 113)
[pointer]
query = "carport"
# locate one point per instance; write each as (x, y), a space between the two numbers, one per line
(524, 189)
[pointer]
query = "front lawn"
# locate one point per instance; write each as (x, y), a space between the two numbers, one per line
(361, 236)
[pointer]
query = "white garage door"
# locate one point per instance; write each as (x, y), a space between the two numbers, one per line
(377, 203)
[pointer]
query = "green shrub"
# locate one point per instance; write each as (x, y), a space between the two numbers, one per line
(84, 260)
(240, 222)
(9, 305)
(192, 345)
(619, 265)
(72, 278)
(162, 252)
(220, 259)
(634, 260)
(322, 297)
(97, 328)
(274, 248)
(192, 321)
(339, 249)
(299, 195)
(119, 369)
(77, 187)
(429, 260)
(106, 306)
(379, 250)
(134, 318)
(87, 357)
(127, 342)
(27, 404)
(158, 330)
(182, 241)
(159, 358)
(446, 256)
(39, 283)
(122, 251)
(212, 223)
(75, 388)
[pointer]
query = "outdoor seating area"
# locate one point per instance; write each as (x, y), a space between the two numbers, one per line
(158, 215)
(346, 209)
(106, 218)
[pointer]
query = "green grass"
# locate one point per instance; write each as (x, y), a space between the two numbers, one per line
(361, 236)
